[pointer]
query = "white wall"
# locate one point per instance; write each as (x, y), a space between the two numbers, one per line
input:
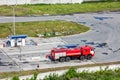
(23, 42)
(20, 42)
(91, 0)
(18, 2)
(12, 42)
(11, 2)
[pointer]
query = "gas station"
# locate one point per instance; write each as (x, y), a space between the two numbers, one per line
(16, 40)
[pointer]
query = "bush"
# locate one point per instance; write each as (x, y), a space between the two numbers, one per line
(34, 76)
(71, 73)
(52, 77)
(15, 78)
(109, 0)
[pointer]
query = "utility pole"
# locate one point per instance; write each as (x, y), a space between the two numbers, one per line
(20, 51)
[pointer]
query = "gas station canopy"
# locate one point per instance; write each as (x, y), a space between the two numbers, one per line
(17, 36)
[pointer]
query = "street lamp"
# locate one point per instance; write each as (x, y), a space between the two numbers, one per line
(14, 20)
(14, 26)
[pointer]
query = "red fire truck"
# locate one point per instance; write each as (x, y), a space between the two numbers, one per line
(66, 53)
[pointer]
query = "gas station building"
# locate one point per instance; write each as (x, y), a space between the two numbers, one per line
(16, 40)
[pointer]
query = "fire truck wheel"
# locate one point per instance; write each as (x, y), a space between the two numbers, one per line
(89, 57)
(82, 57)
(62, 59)
(67, 59)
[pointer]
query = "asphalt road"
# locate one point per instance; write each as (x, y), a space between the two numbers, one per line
(103, 36)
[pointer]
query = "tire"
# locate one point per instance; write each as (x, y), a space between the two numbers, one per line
(89, 57)
(62, 59)
(82, 57)
(67, 59)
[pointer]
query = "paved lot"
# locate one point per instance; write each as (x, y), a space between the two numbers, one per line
(104, 36)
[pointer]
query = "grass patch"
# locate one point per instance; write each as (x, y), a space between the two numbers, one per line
(22, 73)
(46, 28)
(55, 9)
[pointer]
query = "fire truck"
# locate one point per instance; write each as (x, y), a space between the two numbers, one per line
(64, 53)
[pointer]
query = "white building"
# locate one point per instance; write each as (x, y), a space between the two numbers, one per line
(17, 40)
